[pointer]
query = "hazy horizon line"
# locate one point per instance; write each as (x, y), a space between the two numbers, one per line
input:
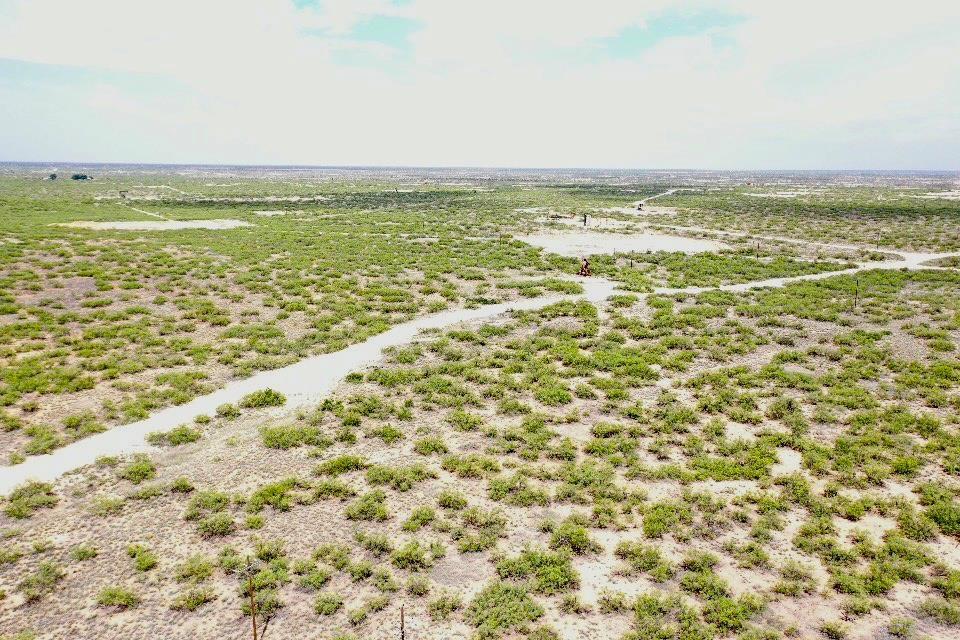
(475, 167)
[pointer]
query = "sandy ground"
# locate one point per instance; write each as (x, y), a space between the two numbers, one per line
(589, 243)
(162, 225)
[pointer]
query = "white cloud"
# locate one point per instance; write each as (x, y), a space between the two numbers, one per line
(511, 83)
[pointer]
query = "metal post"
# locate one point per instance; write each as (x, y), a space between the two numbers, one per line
(403, 631)
(856, 292)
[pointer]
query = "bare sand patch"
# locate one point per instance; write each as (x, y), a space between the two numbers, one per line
(939, 195)
(580, 244)
(159, 225)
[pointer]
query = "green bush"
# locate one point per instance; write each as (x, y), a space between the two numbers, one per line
(287, 436)
(443, 605)
(143, 558)
(121, 597)
(193, 599)
(340, 465)
(546, 572)
(83, 552)
(941, 610)
(41, 582)
(369, 506)
(411, 557)
(140, 469)
(419, 517)
(218, 524)
(327, 604)
(500, 608)
(399, 478)
(263, 398)
(28, 497)
(184, 434)
(196, 568)
(452, 500)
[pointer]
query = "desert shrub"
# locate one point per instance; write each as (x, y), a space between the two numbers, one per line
(196, 568)
(418, 586)
(480, 531)
(470, 466)
(81, 425)
(106, 506)
(611, 601)
(515, 490)
(834, 630)
(275, 494)
(327, 604)
(121, 597)
(358, 616)
(946, 514)
(730, 615)
(411, 556)
(193, 599)
(326, 489)
(941, 610)
(948, 584)
(388, 433)
(83, 552)
(340, 465)
(443, 605)
(181, 485)
(10, 554)
(705, 583)
(662, 517)
(184, 434)
(573, 537)
(500, 608)
(143, 558)
(205, 502)
(263, 398)
(41, 582)
(28, 497)
(369, 506)
(399, 478)
(287, 436)
(139, 469)
(901, 627)
(463, 421)
(452, 500)
(430, 445)
(419, 517)
(796, 579)
(384, 581)
(546, 572)
(645, 558)
(218, 524)
(314, 578)
(228, 411)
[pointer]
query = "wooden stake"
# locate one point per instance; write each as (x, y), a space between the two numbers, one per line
(253, 597)
(403, 631)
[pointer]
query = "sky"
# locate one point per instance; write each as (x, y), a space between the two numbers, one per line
(714, 84)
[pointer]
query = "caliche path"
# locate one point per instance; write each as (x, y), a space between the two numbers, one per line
(307, 381)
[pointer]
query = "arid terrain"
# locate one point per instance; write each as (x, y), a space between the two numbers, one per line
(339, 399)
